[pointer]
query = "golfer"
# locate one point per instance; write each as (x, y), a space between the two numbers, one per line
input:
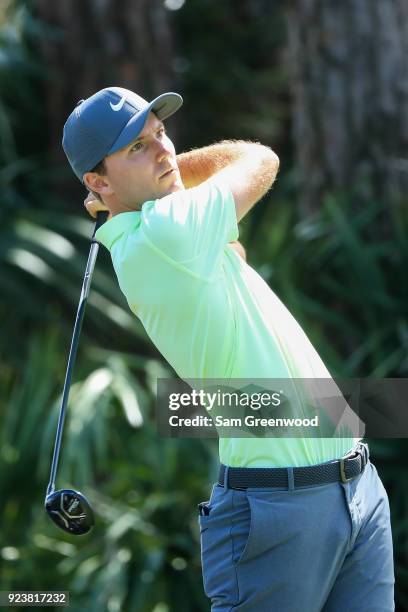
(293, 524)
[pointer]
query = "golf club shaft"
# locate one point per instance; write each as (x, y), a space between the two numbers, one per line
(101, 218)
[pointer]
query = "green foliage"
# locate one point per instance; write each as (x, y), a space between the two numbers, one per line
(343, 277)
(21, 113)
(146, 530)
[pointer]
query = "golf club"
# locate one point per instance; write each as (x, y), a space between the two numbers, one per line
(69, 509)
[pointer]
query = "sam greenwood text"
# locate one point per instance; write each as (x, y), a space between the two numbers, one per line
(249, 421)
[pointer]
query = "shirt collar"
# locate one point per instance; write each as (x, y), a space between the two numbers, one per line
(111, 230)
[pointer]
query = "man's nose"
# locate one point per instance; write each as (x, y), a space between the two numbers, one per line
(163, 149)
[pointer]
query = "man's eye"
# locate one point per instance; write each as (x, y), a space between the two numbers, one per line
(161, 132)
(137, 146)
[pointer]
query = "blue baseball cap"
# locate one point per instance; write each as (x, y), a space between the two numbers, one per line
(108, 121)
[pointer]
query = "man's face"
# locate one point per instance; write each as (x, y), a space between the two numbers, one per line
(145, 169)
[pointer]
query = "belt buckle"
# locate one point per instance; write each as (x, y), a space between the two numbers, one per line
(364, 454)
(343, 476)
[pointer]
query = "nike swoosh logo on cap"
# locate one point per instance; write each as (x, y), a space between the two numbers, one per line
(118, 106)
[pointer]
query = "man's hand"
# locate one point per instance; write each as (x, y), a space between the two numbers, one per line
(93, 205)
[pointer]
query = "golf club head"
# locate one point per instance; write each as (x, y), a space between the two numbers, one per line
(70, 510)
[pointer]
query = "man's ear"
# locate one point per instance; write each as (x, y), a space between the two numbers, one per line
(97, 183)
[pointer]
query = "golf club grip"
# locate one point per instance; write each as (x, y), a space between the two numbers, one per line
(74, 345)
(101, 217)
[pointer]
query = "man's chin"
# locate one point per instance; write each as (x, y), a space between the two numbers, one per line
(176, 186)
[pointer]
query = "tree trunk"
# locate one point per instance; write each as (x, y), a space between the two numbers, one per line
(350, 96)
(94, 44)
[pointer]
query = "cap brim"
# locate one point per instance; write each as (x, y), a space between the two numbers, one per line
(163, 106)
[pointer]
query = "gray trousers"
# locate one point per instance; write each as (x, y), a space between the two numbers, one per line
(322, 548)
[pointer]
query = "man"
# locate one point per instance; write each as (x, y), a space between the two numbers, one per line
(293, 523)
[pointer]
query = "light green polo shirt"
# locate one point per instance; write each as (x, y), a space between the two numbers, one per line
(209, 313)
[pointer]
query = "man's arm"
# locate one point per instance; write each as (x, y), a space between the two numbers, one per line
(248, 169)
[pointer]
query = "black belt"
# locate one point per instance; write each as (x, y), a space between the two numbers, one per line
(345, 469)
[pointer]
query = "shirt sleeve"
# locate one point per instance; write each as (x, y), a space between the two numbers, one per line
(192, 227)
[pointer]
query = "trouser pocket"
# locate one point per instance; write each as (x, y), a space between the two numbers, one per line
(255, 533)
(225, 525)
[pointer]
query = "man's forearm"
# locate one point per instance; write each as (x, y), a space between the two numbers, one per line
(198, 165)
